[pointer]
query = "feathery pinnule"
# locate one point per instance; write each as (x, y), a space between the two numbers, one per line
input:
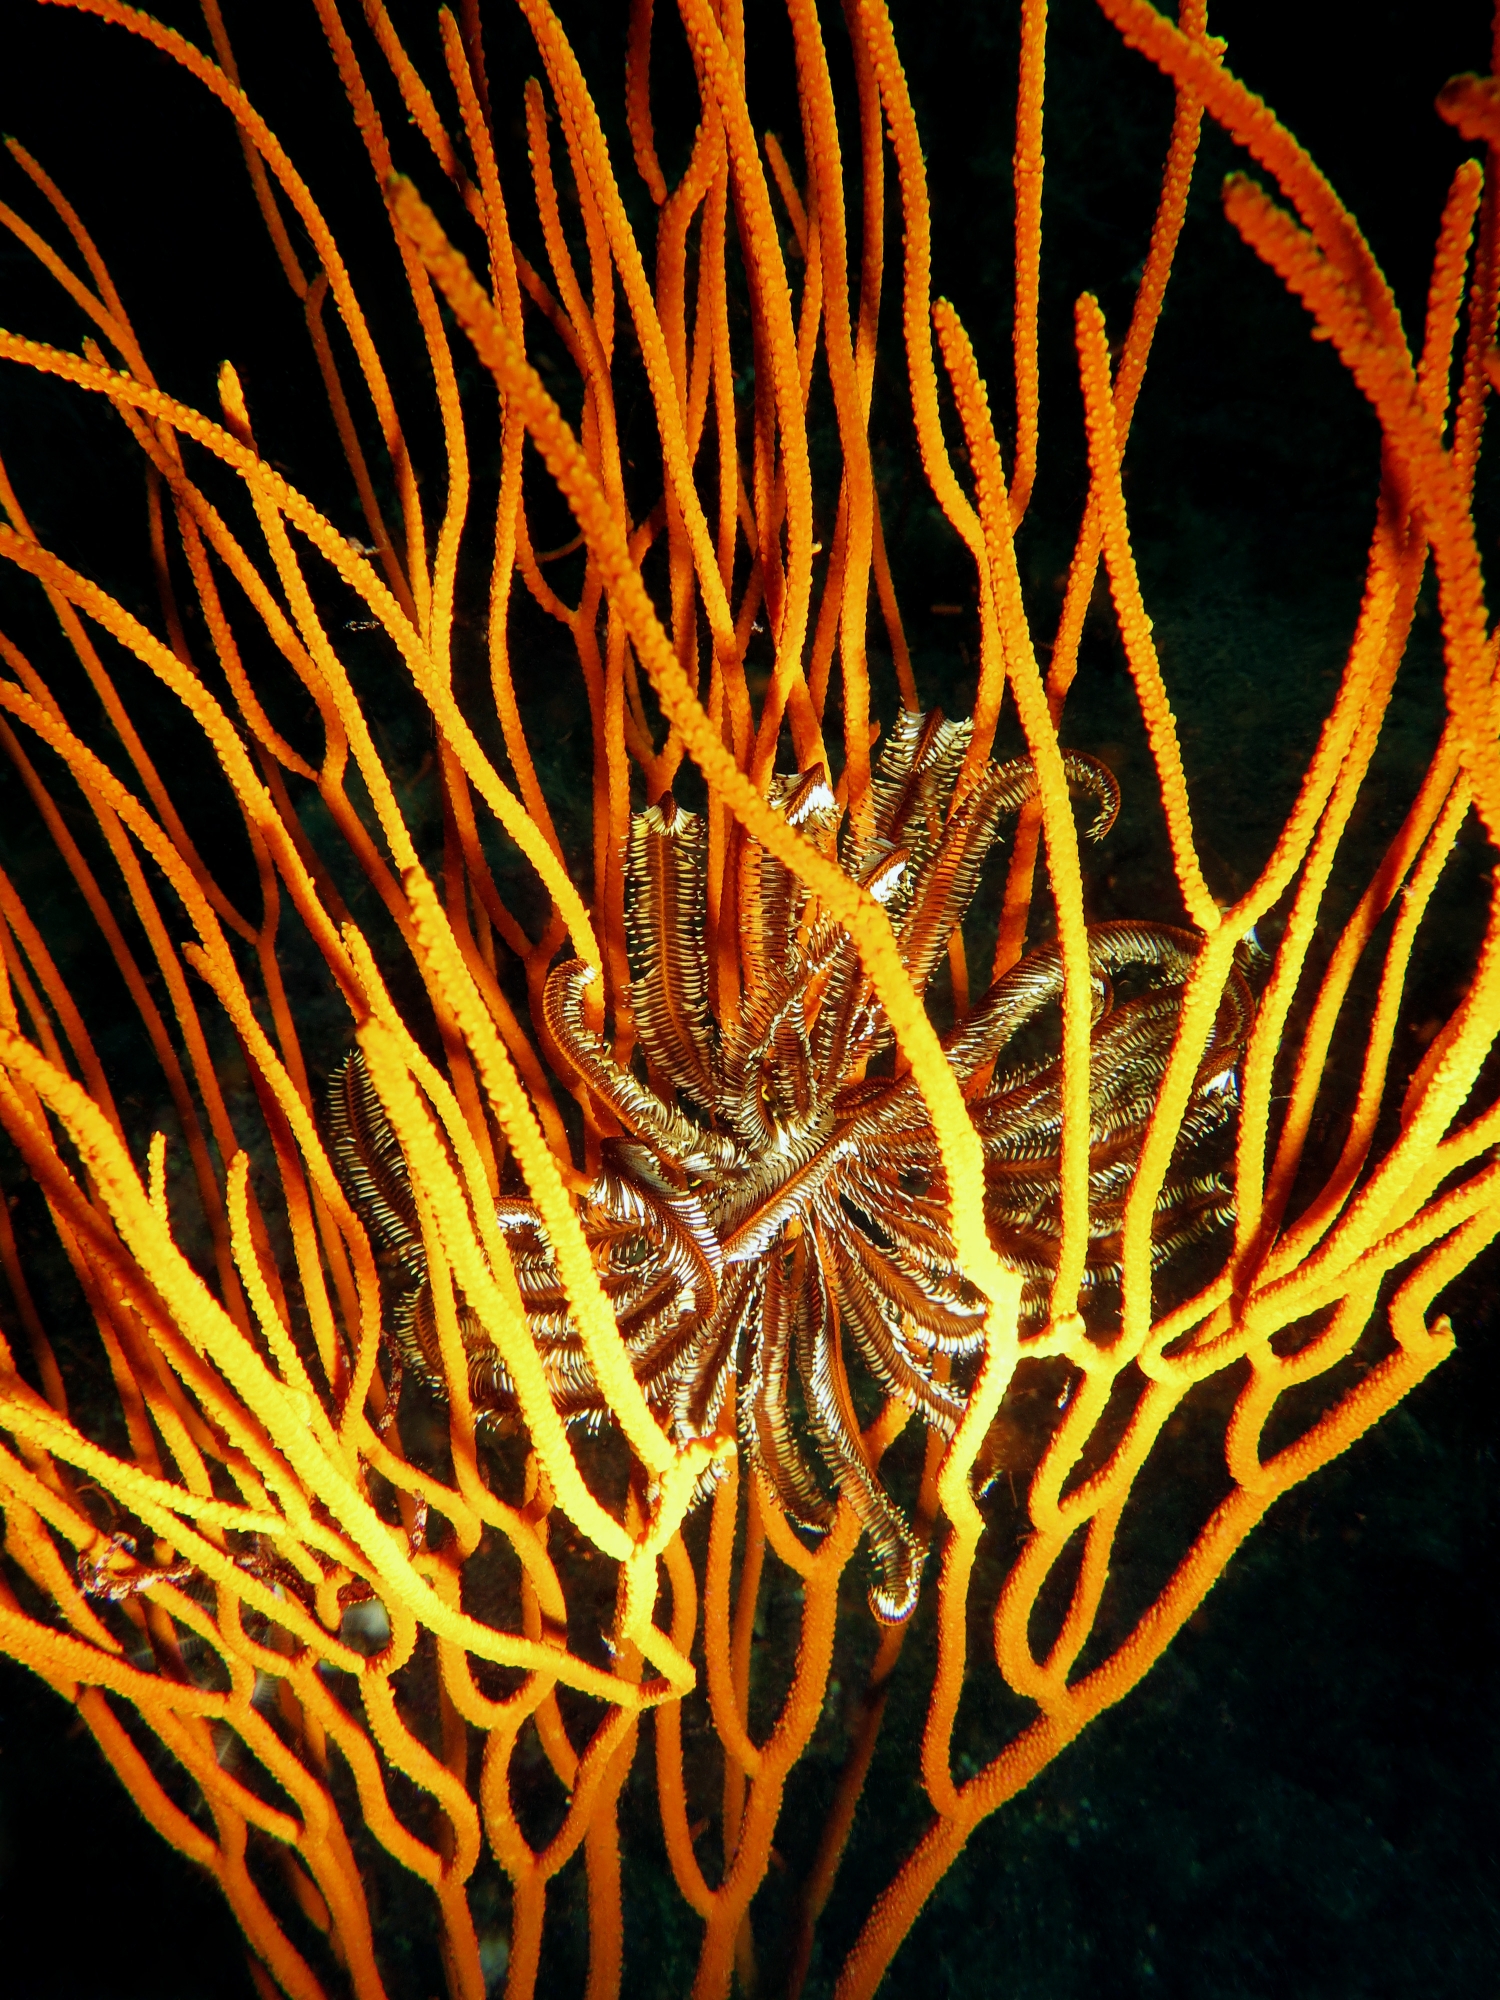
(646, 1166)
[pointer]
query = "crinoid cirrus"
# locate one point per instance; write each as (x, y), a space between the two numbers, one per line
(768, 1190)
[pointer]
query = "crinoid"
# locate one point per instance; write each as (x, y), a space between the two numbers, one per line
(789, 1195)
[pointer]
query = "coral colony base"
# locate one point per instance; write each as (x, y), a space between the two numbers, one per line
(397, 1467)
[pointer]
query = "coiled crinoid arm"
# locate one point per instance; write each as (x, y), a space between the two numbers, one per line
(671, 1135)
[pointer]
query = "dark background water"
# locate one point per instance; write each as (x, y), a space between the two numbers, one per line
(1299, 1799)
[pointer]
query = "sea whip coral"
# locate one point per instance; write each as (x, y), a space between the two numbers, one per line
(282, 1609)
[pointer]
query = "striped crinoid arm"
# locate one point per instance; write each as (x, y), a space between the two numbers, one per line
(943, 888)
(665, 868)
